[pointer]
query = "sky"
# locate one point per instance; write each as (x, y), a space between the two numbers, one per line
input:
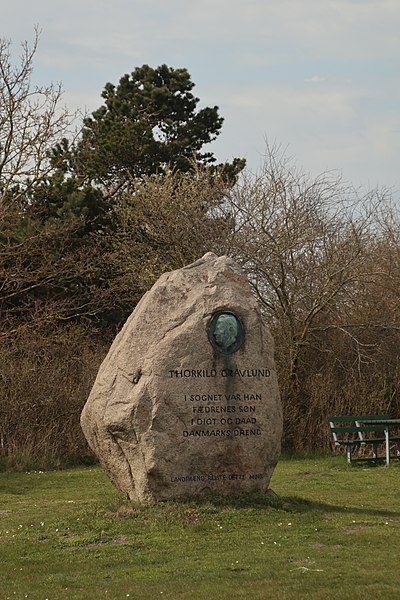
(320, 78)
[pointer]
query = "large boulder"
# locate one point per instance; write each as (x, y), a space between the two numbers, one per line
(187, 398)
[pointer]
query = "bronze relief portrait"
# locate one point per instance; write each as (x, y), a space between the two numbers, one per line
(225, 332)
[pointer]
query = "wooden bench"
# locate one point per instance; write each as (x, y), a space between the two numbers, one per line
(351, 433)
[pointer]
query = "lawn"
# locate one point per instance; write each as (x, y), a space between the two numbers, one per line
(331, 533)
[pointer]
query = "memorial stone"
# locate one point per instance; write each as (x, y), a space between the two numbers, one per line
(187, 399)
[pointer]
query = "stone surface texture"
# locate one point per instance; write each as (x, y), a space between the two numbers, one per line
(168, 416)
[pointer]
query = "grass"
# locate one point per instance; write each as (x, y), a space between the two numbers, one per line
(332, 532)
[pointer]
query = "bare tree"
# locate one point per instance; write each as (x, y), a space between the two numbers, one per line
(31, 122)
(323, 261)
(304, 242)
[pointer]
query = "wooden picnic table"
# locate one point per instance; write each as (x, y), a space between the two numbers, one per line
(388, 424)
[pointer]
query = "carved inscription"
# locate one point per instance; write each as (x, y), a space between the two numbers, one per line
(217, 477)
(222, 415)
(222, 373)
(227, 415)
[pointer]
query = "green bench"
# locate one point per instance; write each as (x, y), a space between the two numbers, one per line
(351, 432)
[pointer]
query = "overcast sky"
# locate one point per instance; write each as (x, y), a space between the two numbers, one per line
(320, 77)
